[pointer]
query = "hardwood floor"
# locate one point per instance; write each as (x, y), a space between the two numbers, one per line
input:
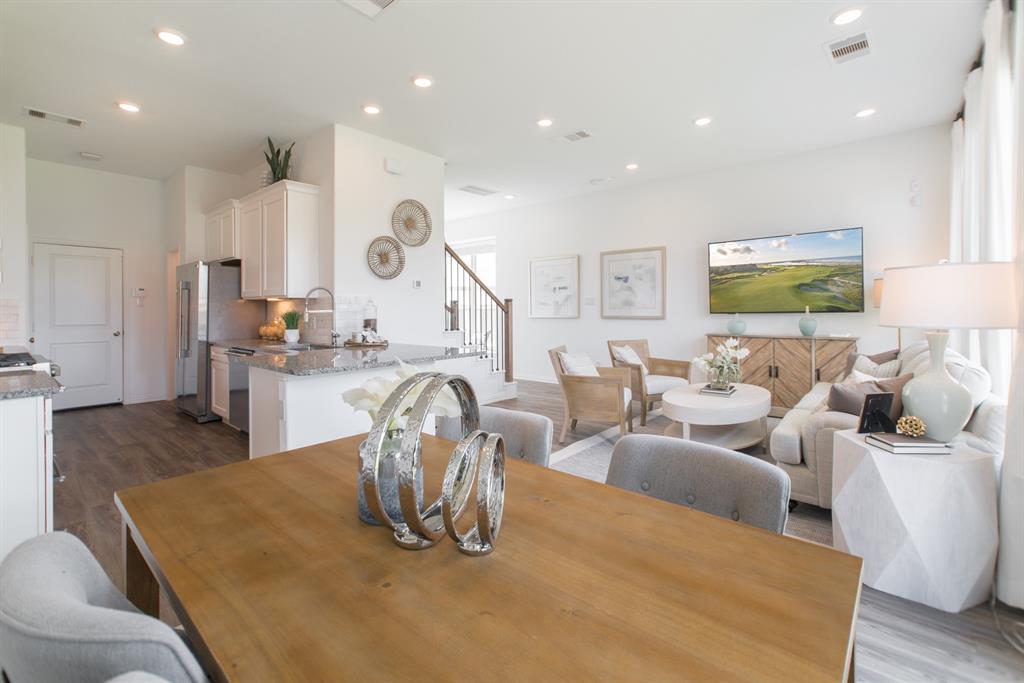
(101, 450)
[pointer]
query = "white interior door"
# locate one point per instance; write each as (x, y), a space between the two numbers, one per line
(76, 295)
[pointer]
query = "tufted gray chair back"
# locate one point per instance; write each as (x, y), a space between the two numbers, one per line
(61, 619)
(711, 479)
(527, 436)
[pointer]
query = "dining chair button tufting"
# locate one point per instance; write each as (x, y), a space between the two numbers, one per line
(645, 485)
(690, 499)
(736, 516)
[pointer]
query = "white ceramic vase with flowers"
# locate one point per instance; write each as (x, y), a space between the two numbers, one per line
(723, 366)
(370, 398)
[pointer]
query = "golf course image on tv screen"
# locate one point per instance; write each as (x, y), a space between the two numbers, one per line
(783, 274)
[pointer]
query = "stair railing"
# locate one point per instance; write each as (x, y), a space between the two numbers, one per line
(473, 309)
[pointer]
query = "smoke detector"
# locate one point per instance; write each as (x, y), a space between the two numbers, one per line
(478, 191)
(369, 8)
(848, 49)
(574, 136)
(35, 113)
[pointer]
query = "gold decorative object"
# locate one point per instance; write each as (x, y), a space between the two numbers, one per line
(386, 257)
(910, 426)
(411, 222)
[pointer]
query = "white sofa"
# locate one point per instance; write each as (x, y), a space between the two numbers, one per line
(802, 442)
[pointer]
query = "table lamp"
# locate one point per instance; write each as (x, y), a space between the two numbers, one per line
(879, 287)
(978, 296)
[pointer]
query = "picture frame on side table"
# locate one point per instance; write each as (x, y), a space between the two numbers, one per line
(633, 283)
(555, 287)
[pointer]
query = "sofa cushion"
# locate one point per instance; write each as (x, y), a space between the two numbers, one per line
(659, 384)
(885, 370)
(814, 398)
(883, 357)
(986, 431)
(848, 397)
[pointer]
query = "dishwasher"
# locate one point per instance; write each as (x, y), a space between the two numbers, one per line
(238, 383)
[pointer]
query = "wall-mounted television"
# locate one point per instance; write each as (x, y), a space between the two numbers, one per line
(783, 274)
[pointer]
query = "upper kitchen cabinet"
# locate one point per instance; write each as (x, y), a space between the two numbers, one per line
(222, 227)
(279, 228)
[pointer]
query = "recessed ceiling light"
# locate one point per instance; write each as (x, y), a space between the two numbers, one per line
(702, 121)
(510, 196)
(371, 109)
(129, 107)
(544, 123)
(864, 113)
(422, 82)
(91, 156)
(846, 16)
(632, 167)
(170, 37)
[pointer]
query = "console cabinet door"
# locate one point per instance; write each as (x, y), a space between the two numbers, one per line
(830, 358)
(792, 371)
(251, 235)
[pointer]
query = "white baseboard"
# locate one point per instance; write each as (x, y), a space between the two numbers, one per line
(543, 380)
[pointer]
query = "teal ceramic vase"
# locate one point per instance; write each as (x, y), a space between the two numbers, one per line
(808, 325)
(736, 325)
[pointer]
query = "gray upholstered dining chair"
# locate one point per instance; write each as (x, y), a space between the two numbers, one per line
(711, 479)
(527, 435)
(61, 619)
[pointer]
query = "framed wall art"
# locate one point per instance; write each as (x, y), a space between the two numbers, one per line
(555, 287)
(633, 283)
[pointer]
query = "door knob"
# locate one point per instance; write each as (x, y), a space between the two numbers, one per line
(117, 333)
(31, 340)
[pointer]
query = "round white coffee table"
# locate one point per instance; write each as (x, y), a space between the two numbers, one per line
(734, 422)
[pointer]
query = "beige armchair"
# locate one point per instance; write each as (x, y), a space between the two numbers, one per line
(606, 398)
(662, 374)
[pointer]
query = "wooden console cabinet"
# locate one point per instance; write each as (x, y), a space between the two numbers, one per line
(788, 366)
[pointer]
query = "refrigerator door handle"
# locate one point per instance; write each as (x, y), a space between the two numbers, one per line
(184, 320)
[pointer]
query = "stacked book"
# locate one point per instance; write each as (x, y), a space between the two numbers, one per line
(908, 445)
(709, 390)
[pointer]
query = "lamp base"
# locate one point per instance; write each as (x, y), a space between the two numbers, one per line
(935, 397)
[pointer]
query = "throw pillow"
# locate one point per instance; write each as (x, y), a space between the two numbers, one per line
(848, 397)
(626, 354)
(577, 364)
(883, 357)
(883, 370)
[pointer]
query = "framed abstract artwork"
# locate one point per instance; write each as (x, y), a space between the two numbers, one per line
(633, 283)
(555, 287)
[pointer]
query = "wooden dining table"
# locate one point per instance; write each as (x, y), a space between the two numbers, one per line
(274, 578)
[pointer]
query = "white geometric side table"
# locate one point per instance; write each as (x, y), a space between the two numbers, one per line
(925, 525)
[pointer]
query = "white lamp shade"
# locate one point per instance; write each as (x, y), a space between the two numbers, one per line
(951, 296)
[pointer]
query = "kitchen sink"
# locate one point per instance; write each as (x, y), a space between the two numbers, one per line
(285, 348)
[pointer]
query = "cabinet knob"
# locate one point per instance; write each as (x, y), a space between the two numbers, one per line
(31, 340)
(117, 333)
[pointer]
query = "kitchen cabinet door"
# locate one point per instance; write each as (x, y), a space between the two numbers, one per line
(227, 228)
(275, 246)
(213, 239)
(220, 388)
(251, 235)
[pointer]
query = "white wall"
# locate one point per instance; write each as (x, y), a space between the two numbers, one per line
(13, 238)
(365, 195)
(74, 205)
(861, 184)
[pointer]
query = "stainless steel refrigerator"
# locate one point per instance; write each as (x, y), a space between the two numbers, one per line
(210, 309)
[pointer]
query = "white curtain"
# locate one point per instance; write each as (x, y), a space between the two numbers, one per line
(982, 182)
(1010, 578)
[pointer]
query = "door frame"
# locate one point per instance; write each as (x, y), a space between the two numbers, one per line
(32, 297)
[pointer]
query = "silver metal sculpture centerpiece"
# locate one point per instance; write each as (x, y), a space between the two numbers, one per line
(478, 458)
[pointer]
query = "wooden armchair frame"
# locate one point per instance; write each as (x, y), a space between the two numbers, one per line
(655, 366)
(595, 399)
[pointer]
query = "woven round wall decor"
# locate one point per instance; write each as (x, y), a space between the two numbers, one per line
(411, 222)
(386, 257)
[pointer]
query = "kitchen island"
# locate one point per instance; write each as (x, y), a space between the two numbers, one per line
(295, 393)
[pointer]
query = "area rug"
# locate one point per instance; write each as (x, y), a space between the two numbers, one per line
(591, 457)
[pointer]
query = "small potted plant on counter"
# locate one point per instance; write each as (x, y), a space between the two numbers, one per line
(291, 326)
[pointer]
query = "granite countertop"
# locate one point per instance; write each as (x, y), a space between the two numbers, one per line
(27, 383)
(336, 360)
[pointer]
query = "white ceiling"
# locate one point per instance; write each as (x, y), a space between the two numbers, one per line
(633, 73)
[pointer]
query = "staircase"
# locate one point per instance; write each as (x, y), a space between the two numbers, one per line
(477, 315)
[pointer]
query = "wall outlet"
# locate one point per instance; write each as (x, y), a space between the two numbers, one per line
(416, 284)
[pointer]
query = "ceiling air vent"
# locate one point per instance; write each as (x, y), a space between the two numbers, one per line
(478, 191)
(575, 136)
(55, 118)
(370, 8)
(848, 48)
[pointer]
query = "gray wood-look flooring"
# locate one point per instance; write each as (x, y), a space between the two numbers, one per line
(101, 450)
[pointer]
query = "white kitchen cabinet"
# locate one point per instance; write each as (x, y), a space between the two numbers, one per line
(220, 384)
(223, 241)
(26, 470)
(279, 228)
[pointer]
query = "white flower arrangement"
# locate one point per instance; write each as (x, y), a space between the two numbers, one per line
(726, 362)
(371, 396)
